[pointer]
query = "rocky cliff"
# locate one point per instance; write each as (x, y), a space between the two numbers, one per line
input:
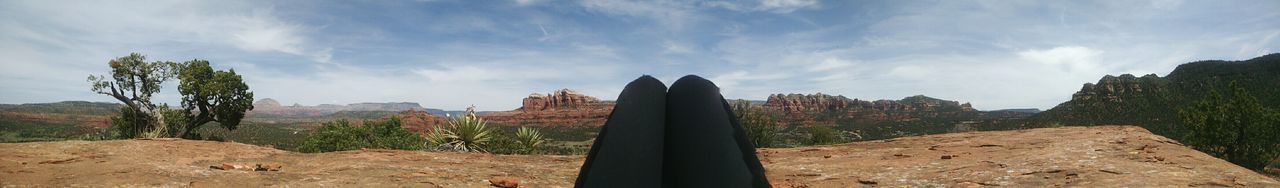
(1153, 102)
(826, 109)
(562, 107)
(420, 121)
(559, 99)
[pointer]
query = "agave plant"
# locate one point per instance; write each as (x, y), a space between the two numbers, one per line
(467, 133)
(529, 139)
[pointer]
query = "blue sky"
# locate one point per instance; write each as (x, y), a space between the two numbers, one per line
(454, 53)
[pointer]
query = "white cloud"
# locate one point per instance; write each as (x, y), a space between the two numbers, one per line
(786, 6)
(1071, 58)
(674, 47)
(830, 63)
(673, 15)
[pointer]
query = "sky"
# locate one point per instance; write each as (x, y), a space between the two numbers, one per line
(451, 54)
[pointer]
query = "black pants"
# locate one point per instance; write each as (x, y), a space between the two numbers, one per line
(684, 137)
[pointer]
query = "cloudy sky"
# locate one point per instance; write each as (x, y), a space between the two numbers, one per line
(454, 53)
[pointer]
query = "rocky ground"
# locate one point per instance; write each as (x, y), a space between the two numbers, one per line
(1104, 156)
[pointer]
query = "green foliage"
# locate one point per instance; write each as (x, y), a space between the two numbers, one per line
(819, 135)
(528, 140)
(341, 135)
(334, 136)
(64, 107)
(1153, 102)
(759, 125)
(390, 135)
(214, 96)
(466, 133)
(130, 123)
(500, 143)
(1237, 129)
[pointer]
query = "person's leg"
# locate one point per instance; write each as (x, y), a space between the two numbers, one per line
(628, 150)
(705, 146)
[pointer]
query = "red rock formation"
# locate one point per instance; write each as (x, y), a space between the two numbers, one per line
(808, 108)
(563, 98)
(420, 121)
(563, 107)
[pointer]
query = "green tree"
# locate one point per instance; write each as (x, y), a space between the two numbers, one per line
(759, 125)
(1238, 129)
(133, 81)
(213, 96)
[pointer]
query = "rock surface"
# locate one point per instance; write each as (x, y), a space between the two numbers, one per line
(563, 107)
(1102, 156)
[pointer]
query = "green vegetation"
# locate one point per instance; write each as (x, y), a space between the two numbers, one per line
(820, 135)
(1152, 102)
(213, 96)
(466, 133)
(759, 125)
(1237, 129)
(528, 140)
(341, 135)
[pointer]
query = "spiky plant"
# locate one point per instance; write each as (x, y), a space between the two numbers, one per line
(467, 133)
(529, 139)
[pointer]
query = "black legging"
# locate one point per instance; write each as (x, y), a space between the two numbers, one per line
(685, 137)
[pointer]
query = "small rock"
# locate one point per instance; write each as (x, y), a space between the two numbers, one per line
(504, 182)
(268, 167)
(868, 182)
(946, 157)
(826, 156)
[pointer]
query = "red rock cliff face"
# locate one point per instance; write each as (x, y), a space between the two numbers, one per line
(560, 99)
(807, 109)
(562, 107)
(420, 121)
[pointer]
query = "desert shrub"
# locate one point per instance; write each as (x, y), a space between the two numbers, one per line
(128, 124)
(528, 140)
(1238, 129)
(390, 135)
(500, 143)
(341, 135)
(758, 124)
(819, 135)
(333, 136)
(467, 133)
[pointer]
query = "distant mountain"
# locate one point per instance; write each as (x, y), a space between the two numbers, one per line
(881, 119)
(1153, 102)
(1020, 110)
(65, 107)
(268, 107)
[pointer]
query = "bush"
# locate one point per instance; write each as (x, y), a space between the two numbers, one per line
(1239, 129)
(340, 135)
(819, 135)
(467, 133)
(759, 125)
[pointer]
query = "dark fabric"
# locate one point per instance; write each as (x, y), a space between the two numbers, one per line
(628, 150)
(699, 142)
